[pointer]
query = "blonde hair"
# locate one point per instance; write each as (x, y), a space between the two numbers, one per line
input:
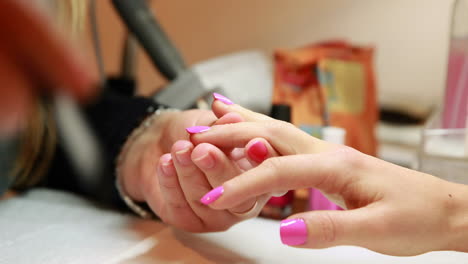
(71, 14)
(37, 147)
(39, 139)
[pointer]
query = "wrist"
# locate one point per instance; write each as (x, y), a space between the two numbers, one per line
(162, 128)
(129, 162)
(457, 206)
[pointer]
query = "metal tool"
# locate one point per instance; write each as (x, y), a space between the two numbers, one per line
(185, 87)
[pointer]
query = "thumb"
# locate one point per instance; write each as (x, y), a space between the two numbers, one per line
(323, 229)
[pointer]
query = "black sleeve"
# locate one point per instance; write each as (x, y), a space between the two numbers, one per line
(113, 117)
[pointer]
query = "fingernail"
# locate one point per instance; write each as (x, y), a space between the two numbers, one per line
(222, 98)
(197, 129)
(206, 161)
(212, 195)
(166, 163)
(258, 152)
(183, 156)
(293, 232)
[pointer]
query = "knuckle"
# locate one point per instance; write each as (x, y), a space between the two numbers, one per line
(350, 158)
(273, 165)
(169, 185)
(177, 205)
(274, 125)
(327, 228)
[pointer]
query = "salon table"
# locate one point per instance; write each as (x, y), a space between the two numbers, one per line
(45, 226)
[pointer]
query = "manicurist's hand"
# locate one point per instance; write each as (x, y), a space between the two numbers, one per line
(35, 59)
(390, 209)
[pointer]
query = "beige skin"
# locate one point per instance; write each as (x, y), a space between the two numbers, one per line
(173, 186)
(391, 209)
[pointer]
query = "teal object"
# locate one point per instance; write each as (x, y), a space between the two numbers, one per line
(315, 131)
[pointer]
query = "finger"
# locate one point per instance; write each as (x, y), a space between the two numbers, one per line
(229, 118)
(16, 100)
(254, 153)
(323, 229)
(238, 156)
(222, 106)
(285, 138)
(258, 150)
(190, 177)
(175, 210)
(41, 49)
(218, 168)
(194, 184)
(328, 172)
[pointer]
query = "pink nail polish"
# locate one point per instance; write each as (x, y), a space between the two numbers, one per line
(197, 129)
(258, 152)
(293, 232)
(212, 195)
(222, 98)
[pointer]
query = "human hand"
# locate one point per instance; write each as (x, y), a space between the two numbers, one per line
(173, 187)
(35, 58)
(284, 137)
(392, 210)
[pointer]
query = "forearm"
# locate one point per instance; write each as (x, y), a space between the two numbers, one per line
(457, 206)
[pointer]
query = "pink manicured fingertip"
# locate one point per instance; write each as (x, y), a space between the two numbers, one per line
(293, 232)
(258, 152)
(222, 98)
(197, 129)
(212, 195)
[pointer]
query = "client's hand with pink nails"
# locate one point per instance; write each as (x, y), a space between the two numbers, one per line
(391, 209)
(188, 172)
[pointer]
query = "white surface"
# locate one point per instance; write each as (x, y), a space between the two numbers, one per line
(246, 78)
(408, 135)
(335, 135)
(399, 144)
(52, 227)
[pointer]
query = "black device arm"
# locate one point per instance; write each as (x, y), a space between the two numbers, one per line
(142, 23)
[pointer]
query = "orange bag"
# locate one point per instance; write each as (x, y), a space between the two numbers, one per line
(330, 84)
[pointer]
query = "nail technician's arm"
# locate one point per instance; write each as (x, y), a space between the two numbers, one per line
(392, 210)
(33, 56)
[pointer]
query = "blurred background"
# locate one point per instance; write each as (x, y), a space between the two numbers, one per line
(411, 38)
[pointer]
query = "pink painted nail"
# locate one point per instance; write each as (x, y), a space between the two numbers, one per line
(222, 98)
(212, 195)
(293, 232)
(197, 129)
(258, 152)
